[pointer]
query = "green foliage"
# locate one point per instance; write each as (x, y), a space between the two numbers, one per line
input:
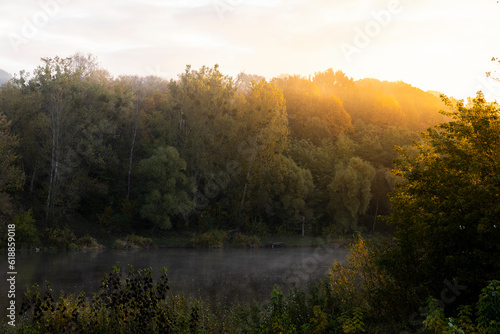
(319, 321)
(135, 303)
(166, 187)
(253, 241)
(26, 232)
(350, 191)
(488, 308)
(11, 175)
(59, 237)
(256, 227)
(276, 317)
(353, 323)
(445, 211)
(211, 239)
(88, 242)
(435, 319)
(283, 201)
(134, 241)
(130, 306)
(63, 109)
(201, 152)
(488, 314)
(242, 240)
(311, 116)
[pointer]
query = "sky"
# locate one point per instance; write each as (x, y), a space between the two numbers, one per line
(444, 45)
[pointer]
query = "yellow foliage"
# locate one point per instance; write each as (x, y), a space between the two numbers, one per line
(354, 282)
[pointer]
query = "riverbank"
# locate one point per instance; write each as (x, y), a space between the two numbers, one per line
(137, 301)
(211, 239)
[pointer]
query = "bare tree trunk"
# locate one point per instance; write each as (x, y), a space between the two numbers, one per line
(246, 182)
(132, 153)
(49, 193)
(55, 109)
(32, 183)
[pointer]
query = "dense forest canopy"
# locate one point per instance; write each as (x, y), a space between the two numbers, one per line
(205, 150)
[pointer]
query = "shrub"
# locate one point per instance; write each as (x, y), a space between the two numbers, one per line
(134, 304)
(74, 247)
(88, 242)
(241, 240)
(253, 241)
(59, 237)
(134, 241)
(26, 232)
(257, 228)
(488, 314)
(121, 244)
(142, 242)
(211, 239)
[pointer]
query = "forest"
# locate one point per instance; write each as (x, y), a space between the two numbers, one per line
(319, 155)
(205, 151)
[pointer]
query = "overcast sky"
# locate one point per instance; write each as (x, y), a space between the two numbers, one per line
(443, 45)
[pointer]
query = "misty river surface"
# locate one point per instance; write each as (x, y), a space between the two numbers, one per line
(225, 275)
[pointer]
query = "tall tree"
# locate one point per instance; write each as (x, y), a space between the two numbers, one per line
(203, 105)
(64, 108)
(263, 133)
(167, 186)
(11, 175)
(350, 192)
(447, 212)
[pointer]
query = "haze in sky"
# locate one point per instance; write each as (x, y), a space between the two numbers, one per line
(434, 45)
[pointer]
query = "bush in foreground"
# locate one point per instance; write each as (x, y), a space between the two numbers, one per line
(136, 304)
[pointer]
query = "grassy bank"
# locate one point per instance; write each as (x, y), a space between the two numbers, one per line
(64, 239)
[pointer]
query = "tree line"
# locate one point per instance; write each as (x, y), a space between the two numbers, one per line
(205, 150)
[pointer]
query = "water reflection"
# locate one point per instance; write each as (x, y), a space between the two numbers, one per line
(230, 275)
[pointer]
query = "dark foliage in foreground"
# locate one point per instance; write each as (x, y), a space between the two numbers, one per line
(353, 298)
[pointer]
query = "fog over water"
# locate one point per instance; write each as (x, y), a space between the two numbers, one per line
(227, 275)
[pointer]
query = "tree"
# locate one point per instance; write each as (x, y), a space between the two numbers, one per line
(166, 187)
(350, 192)
(63, 110)
(145, 95)
(203, 106)
(447, 212)
(312, 116)
(284, 202)
(11, 175)
(319, 161)
(243, 81)
(263, 132)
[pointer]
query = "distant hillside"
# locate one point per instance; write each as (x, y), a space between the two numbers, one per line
(401, 102)
(4, 77)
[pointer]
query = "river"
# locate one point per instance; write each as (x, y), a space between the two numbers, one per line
(226, 275)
